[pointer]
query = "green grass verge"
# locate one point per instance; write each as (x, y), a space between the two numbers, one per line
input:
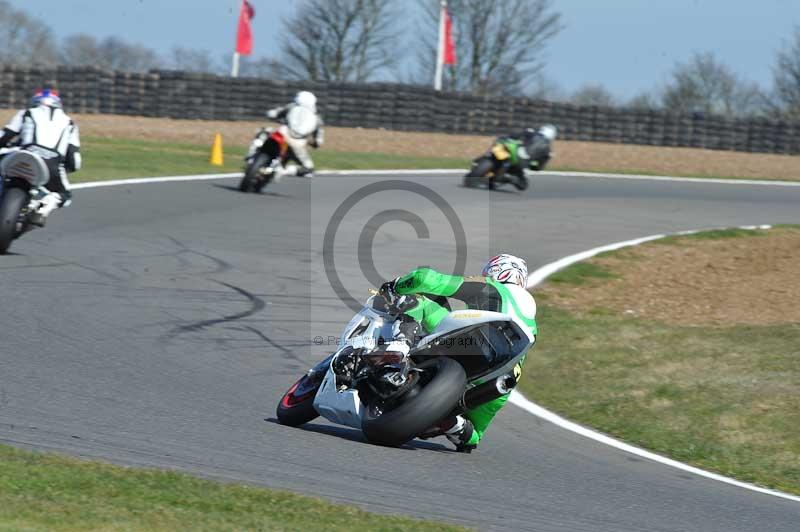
(714, 234)
(726, 399)
(50, 492)
(580, 273)
(122, 158)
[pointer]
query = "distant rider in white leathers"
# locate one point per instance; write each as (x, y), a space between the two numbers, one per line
(304, 126)
(48, 131)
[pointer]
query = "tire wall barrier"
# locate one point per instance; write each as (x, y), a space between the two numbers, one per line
(194, 96)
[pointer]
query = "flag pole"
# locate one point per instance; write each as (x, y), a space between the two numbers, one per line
(235, 66)
(437, 80)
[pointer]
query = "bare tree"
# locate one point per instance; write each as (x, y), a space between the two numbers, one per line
(705, 85)
(644, 101)
(785, 99)
(543, 88)
(262, 67)
(111, 53)
(499, 44)
(80, 50)
(340, 40)
(190, 60)
(24, 40)
(117, 54)
(593, 94)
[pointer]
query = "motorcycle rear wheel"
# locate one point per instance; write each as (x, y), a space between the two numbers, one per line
(12, 203)
(424, 406)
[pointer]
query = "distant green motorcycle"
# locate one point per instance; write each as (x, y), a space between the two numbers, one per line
(505, 162)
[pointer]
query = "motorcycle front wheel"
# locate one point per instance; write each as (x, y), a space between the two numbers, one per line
(441, 387)
(253, 181)
(296, 407)
(478, 172)
(12, 203)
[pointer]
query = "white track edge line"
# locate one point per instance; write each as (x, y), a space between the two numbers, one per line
(441, 171)
(714, 180)
(145, 180)
(519, 400)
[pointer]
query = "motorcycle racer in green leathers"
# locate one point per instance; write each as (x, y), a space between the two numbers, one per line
(500, 288)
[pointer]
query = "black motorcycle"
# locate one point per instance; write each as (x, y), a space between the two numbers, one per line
(508, 157)
(23, 172)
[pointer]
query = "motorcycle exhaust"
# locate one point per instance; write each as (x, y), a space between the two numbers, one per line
(489, 391)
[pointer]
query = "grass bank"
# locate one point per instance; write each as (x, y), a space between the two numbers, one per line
(724, 397)
(118, 158)
(112, 158)
(50, 492)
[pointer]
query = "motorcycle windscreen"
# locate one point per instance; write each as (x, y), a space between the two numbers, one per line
(481, 349)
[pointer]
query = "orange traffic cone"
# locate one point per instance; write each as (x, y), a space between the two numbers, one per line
(217, 159)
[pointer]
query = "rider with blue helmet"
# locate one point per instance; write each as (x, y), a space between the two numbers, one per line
(48, 131)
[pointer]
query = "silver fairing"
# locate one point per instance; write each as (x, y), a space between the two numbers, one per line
(372, 326)
(26, 165)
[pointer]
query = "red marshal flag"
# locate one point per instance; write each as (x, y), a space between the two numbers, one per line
(449, 45)
(244, 36)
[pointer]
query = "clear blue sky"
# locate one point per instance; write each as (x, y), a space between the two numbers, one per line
(626, 45)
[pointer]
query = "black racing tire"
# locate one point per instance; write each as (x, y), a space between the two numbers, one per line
(246, 184)
(429, 405)
(521, 183)
(12, 203)
(297, 409)
(251, 182)
(478, 172)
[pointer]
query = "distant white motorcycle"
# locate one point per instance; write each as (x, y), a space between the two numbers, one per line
(393, 387)
(270, 151)
(24, 174)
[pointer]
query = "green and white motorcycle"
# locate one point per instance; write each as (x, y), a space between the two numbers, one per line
(393, 387)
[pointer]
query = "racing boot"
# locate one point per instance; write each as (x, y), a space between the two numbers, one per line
(48, 204)
(460, 435)
(308, 173)
(281, 172)
(457, 429)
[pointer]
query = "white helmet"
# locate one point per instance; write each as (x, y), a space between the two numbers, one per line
(507, 269)
(548, 131)
(306, 99)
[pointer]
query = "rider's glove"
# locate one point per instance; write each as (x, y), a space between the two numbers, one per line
(388, 291)
(272, 113)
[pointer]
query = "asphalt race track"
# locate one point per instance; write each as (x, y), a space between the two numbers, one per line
(159, 324)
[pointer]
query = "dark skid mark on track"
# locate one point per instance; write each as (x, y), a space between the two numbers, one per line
(257, 304)
(60, 264)
(288, 352)
(222, 266)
